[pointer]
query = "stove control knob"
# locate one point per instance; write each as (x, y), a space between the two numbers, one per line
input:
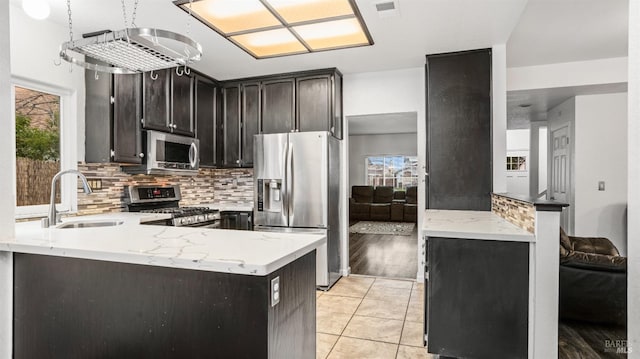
(201, 218)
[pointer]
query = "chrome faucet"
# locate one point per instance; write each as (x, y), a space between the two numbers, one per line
(53, 213)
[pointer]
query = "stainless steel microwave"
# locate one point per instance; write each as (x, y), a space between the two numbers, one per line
(169, 154)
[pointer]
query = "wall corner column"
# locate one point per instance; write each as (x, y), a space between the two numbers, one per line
(7, 201)
(545, 261)
(499, 116)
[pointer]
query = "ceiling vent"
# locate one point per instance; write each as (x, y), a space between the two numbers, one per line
(387, 9)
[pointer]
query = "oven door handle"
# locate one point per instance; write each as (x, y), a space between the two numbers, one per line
(193, 155)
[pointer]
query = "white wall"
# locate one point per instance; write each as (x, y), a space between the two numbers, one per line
(34, 47)
(633, 295)
(361, 146)
(580, 73)
(601, 155)
(7, 200)
(518, 145)
(557, 117)
(379, 93)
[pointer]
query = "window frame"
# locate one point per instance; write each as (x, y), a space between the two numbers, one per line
(366, 165)
(68, 147)
(519, 157)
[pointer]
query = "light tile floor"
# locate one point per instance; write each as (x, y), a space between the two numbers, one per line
(371, 318)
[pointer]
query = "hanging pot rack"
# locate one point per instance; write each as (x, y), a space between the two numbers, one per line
(131, 50)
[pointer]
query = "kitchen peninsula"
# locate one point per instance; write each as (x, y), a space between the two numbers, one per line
(135, 290)
(492, 279)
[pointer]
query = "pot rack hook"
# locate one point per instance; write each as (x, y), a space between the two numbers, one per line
(153, 75)
(178, 72)
(95, 75)
(187, 70)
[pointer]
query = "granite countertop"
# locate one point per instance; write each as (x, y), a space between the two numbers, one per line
(216, 250)
(472, 225)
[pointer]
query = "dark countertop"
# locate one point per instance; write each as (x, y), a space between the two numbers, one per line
(540, 204)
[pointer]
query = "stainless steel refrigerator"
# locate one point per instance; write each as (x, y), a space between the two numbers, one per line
(297, 189)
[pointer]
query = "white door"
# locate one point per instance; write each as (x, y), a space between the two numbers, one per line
(561, 172)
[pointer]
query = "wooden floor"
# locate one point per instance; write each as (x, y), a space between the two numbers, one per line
(384, 255)
(588, 341)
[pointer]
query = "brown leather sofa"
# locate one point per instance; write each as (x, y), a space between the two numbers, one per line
(593, 280)
(382, 203)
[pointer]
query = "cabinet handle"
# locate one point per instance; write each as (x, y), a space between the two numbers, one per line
(238, 161)
(142, 121)
(112, 153)
(141, 154)
(112, 100)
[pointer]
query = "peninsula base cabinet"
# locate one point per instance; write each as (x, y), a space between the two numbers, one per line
(79, 308)
(477, 298)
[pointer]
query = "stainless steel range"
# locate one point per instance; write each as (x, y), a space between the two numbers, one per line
(165, 199)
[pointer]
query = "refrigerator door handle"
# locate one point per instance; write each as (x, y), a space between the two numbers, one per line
(285, 185)
(290, 182)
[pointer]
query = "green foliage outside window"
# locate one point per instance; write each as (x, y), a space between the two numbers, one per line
(36, 143)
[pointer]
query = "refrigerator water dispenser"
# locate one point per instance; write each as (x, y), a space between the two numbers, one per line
(270, 195)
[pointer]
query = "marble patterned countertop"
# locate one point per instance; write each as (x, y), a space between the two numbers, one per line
(472, 225)
(216, 250)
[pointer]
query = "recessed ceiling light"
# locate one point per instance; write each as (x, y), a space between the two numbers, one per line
(269, 28)
(37, 9)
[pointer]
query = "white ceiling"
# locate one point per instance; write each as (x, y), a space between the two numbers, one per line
(401, 122)
(423, 27)
(552, 31)
(542, 100)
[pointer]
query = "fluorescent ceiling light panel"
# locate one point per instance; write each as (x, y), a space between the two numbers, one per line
(270, 43)
(231, 16)
(293, 11)
(332, 34)
(269, 28)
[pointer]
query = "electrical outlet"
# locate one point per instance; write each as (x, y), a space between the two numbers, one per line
(601, 186)
(275, 291)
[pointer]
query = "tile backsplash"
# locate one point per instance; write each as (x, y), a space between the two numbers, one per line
(209, 186)
(520, 213)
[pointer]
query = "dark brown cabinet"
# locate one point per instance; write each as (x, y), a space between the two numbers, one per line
(250, 120)
(156, 100)
(241, 113)
(319, 103)
(113, 113)
(167, 102)
(231, 125)
(278, 106)
(182, 104)
(459, 153)
(206, 118)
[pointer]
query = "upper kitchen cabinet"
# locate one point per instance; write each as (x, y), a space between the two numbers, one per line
(207, 121)
(459, 153)
(241, 114)
(278, 106)
(112, 118)
(181, 104)
(250, 120)
(156, 101)
(319, 103)
(167, 102)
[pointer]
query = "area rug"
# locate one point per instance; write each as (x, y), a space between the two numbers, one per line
(394, 228)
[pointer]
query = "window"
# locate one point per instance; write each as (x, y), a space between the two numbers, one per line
(397, 171)
(516, 163)
(43, 146)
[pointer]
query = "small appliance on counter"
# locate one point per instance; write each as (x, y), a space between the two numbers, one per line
(165, 199)
(297, 189)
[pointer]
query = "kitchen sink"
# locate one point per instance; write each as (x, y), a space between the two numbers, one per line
(90, 224)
